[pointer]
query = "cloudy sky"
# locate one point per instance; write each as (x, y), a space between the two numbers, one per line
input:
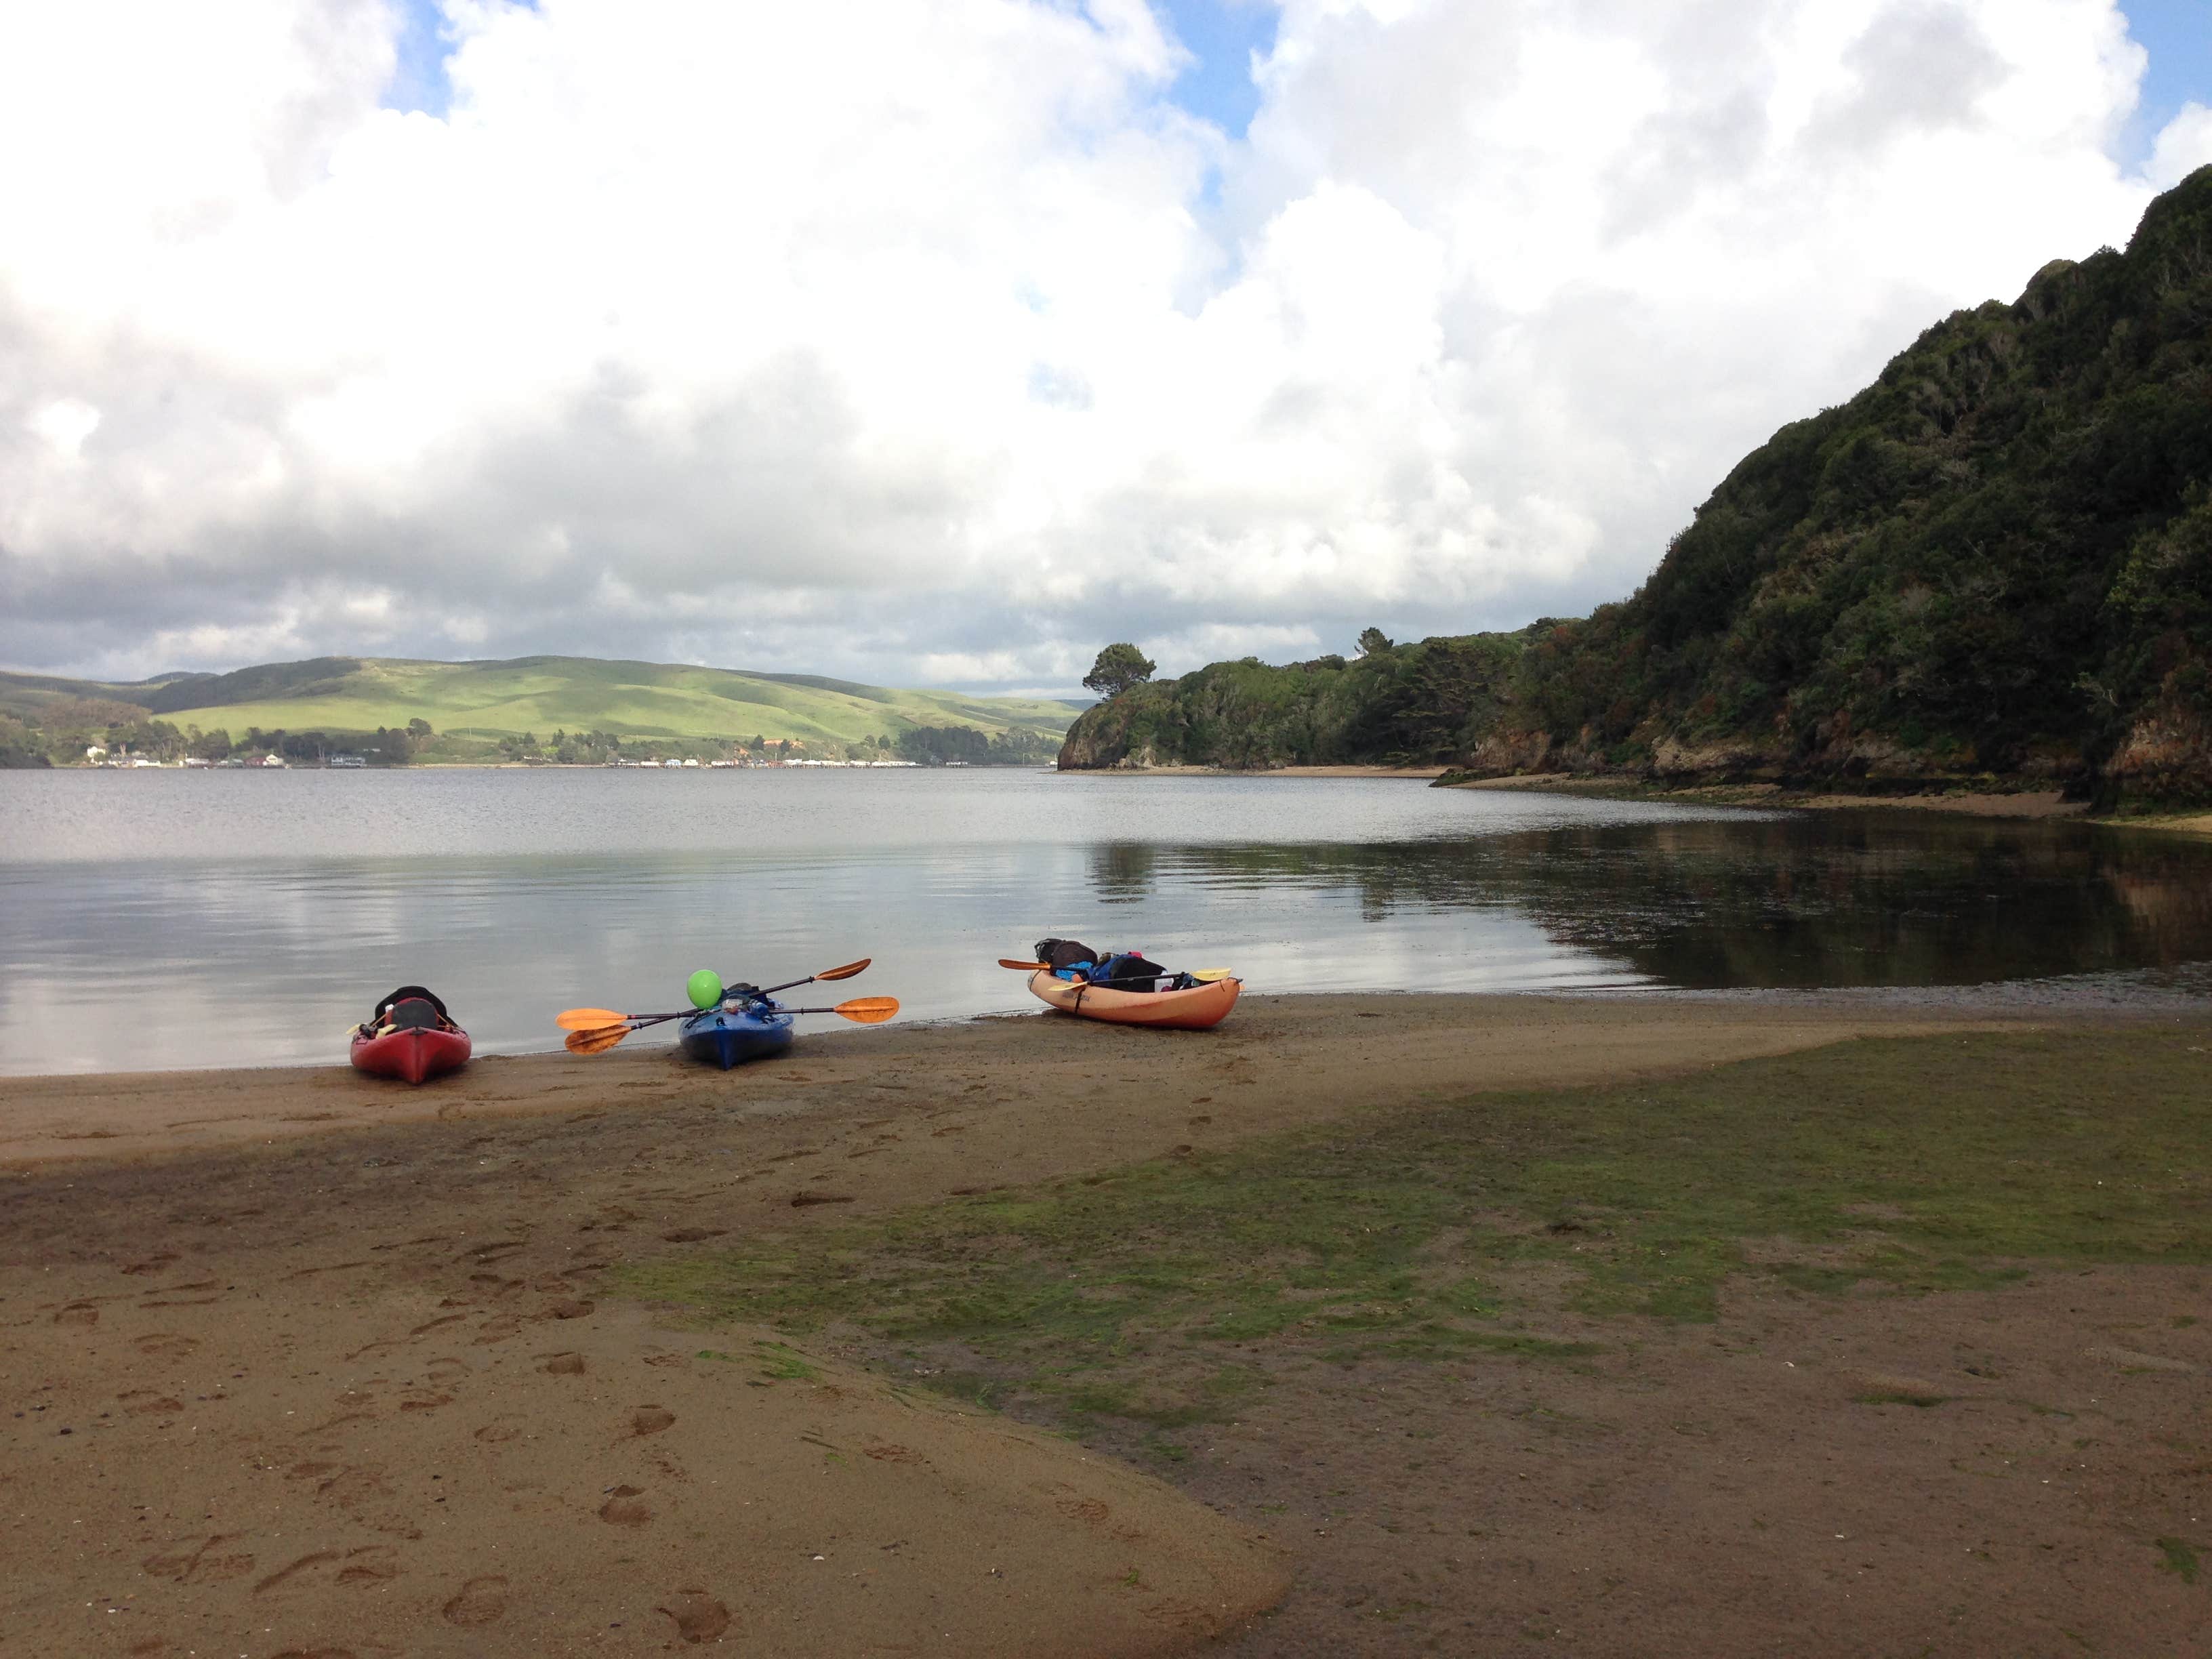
(941, 343)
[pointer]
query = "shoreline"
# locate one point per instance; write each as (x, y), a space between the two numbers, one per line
(1985, 803)
(448, 1330)
(2023, 803)
(1429, 1040)
(495, 1085)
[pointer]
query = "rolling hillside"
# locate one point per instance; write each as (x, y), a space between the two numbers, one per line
(540, 696)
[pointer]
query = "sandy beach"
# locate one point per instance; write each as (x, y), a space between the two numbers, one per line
(298, 1363)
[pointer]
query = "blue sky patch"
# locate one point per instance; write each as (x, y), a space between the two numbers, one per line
(418, 82)
(2177, 35)
(1222, 35)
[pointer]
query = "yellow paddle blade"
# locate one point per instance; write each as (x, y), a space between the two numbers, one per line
(595, 1042)
(1026, 967)
(1209, 974)
(848, 970)
(867, 1011)
(588, 1019)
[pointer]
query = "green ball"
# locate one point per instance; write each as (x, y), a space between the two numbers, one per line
(705, 989)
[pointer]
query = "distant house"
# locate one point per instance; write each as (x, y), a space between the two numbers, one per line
(95, 754)
(269, 759)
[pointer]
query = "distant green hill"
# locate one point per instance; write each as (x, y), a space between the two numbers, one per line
(487, 702)
(1994, 560)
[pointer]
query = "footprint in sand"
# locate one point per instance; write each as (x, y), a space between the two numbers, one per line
(205, 1562)
(145, 1402)
(152, 1264)
(649, 1420)
(626, 1508)
(479, 1601)
(499, 1430)
(350, 1488)
(692, 1235)
(312, 1653)
(562, 1365)
(283, 1575)
(446, 1369)
(697, 1616)
(309, 1273)
(78, 1313)
(497, 1329)
(368, 1564)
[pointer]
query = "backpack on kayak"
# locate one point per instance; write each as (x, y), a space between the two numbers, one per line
(1128, 971)
(410, 1007)
(1067, 959)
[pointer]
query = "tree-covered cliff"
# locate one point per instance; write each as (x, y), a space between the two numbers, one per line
(1996, 559)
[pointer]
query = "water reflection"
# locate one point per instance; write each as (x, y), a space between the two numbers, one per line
(1122, 870)
(118, 950)
(1810, 900)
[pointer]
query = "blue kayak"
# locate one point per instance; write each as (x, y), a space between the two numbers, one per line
(737, 1032)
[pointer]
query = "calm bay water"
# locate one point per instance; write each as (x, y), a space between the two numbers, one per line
(179, 919)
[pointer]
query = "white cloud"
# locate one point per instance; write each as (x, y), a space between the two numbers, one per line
(2185, 144)
(65, 423)
(914, 342)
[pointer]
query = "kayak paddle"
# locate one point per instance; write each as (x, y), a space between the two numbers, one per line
(592, 1019)
(846, 972)
(862, 1010)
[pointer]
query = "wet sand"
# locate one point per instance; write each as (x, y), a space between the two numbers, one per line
(301, 1363)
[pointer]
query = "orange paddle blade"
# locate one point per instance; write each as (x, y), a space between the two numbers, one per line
(588, 1019)
(848, 970)
(595, 1042)
(867, 1011)
(1026, 967)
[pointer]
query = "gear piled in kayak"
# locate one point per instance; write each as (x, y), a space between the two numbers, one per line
(410, 1037)
(744, 1024)
(1123, 987)
(1124, 971)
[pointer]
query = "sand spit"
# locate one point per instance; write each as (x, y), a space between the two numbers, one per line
(300, 1363)
(1297, 1056)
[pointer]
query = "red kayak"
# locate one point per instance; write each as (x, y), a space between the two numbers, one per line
(411, 1037)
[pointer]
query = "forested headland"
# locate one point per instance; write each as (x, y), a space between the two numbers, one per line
(1994, 562)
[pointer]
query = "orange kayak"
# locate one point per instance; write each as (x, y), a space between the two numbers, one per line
(1194, 1010)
